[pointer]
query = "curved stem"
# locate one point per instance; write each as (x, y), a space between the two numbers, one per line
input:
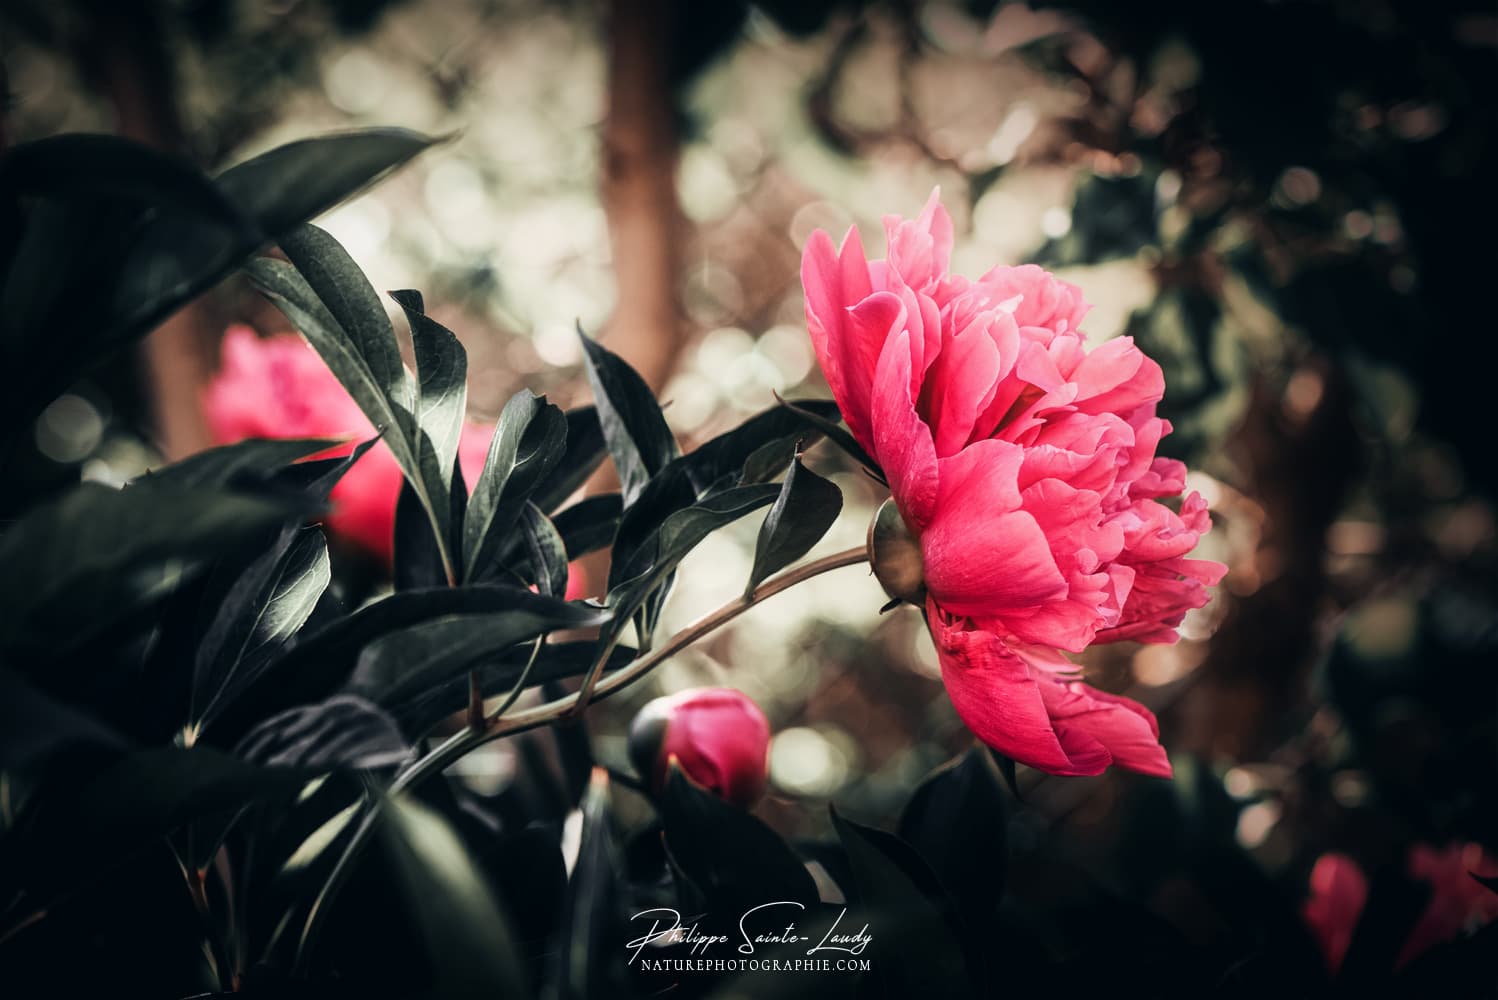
(461, 743)
(500, 725)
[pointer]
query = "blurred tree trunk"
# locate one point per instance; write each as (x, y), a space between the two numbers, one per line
(125, 56)
(640, 149)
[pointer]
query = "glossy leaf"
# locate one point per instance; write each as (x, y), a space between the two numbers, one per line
(546, 551)
(303, 179)
(108, 551)
(802, 513)
(341, 287)
(528, 442)
(583, 454)
(817, 421)
(252, 460)
(590, 524)
(262, 611)
(634, 428)
(733, 451)
(442, 397)
(405, 663)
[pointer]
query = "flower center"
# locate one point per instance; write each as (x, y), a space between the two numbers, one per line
(895, 554)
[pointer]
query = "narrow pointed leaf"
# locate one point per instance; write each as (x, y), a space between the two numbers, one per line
(302, 179)
(528, 441)
(252, 460)
(260, 614)
(839, 436)
(442, 399)
(343, 289)
(593, 915)
(634, 428)
(804, 510)
(416, 659)
(547, 552)
(583, 454)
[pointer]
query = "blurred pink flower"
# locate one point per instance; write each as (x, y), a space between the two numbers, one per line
(718, 736)
(1458, 902)
(1338, 892)
(278, 387)
(1024, 470)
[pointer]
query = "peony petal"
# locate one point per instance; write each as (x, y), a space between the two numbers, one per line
(982, 556)
(1087, 719)
(999, 699)
(960, 385)
(833, 281)
(902, 442)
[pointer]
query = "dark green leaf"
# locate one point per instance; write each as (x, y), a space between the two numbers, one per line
(587, 960)
(837, 435)
(527, 443)
(590, 524)
(547, 552)
(303, 179)
(497, 676)
(86, 560)
(916, 951)
(468, 942)
(317, 477)
(729, 854)
(739, 452)
(583, 454)
(804, 510)
(110, 167)
(958, 820)
(442, 372)
(291, 293)
(252, 460)
(73, 830)
(403, 664)
(260, 614)
(651, 568)
(344, 731)
(345, 292)
(418, 558)
(33, 726)
(634, 428)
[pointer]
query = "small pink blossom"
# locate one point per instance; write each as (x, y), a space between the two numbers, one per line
(1024, 467)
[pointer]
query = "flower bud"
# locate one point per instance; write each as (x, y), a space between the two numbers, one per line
(718, 736)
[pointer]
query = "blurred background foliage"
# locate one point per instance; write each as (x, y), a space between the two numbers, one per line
(1288, 204)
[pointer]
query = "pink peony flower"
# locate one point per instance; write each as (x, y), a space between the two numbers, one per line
(1458, 902)
(1023, 468)
(278, 387)
(718, 736)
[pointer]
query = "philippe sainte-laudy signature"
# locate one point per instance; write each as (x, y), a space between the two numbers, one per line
(758, 926)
